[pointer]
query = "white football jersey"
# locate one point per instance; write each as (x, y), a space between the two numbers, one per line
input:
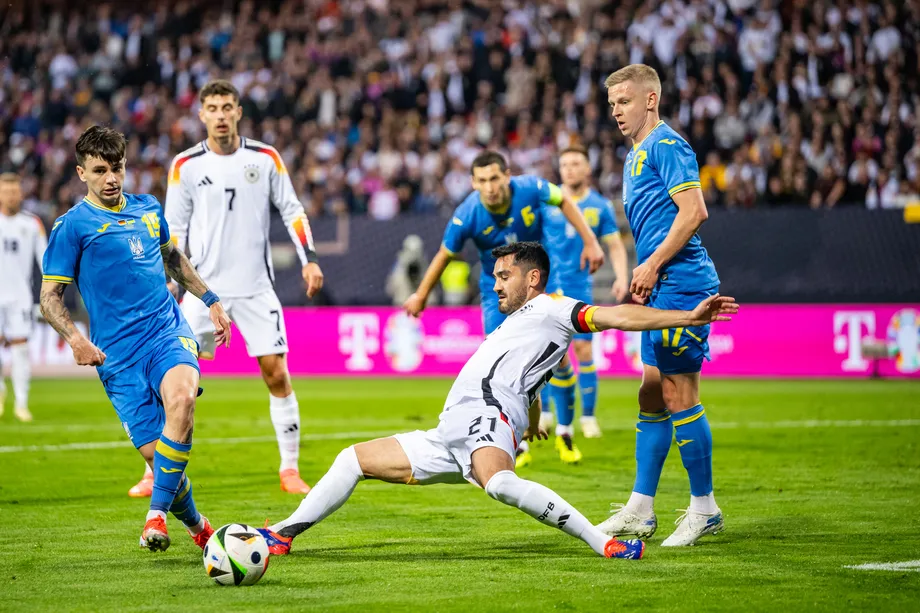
(517, 359)
(22, 241)
(219, 206)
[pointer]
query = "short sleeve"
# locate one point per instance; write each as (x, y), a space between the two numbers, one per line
(608, 224)
(164, 233)
(677, 165)
(60, 260)
(549, 193)
(456, 233)
(574, 315)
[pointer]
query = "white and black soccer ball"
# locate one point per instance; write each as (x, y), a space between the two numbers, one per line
(236, 554)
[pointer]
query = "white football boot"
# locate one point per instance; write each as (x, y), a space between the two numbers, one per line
(691, 526)
(624, 522)
(22, 414)
(589, 428)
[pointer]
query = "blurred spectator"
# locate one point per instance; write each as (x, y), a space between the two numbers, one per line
(408, 270)
(378, 107)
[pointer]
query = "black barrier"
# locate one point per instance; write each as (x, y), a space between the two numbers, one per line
(766, 255)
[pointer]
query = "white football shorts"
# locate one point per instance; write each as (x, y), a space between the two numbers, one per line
(443, 454)
(16, 320)
(259, 319)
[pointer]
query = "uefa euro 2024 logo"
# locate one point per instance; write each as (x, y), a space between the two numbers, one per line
(904, 340)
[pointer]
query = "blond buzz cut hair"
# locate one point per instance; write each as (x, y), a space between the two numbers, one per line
(641, 74)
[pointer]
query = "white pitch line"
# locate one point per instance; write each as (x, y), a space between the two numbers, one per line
(818, 423)
(912, 566)
(729, 425)
(327, 436)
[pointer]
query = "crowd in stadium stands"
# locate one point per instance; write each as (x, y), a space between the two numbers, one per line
(378, 106)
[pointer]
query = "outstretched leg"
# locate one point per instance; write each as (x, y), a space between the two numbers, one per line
(495, 468)
(382, 459)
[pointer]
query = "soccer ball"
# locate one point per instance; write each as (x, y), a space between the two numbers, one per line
(236, 554)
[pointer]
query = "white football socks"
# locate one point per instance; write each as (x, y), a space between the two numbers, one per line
(285, 415)
(704, 504)
(640, 504)
(546, 506)
(20, 373)
(327, 495)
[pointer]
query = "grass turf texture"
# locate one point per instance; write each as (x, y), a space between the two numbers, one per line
(802, 500)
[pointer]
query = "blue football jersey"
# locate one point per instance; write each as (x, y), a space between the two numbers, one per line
(659, 166)
(114, 258)
(564, 245)
(523, 221)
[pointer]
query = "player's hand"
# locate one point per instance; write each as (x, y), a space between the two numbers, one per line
(313, 277)
(540, 434)
(414, 304)
(643, 281)
(714, 308)
(592, 256)
(173, 288)
(85, 353)
(638, 299)
(221, 324)
(619, 290)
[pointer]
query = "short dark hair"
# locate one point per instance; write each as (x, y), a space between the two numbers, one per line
(528, 255)
(219, 87)
(487, 158)
(575, 149)
(103, 143)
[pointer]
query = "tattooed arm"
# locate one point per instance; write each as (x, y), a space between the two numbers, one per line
(181, 270)
(55, 313)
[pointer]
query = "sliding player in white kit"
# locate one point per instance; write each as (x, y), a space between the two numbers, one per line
(218, 202)
(22, 241)
(486, 413)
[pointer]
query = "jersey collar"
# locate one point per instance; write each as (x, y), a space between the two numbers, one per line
(118, 209)
(657, 125)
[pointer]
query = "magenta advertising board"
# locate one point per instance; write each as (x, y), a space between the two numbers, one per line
(763, 341)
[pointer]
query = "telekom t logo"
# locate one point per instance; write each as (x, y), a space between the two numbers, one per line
(848, 335)
(359, 338)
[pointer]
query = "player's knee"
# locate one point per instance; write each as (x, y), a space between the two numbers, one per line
(651, 397)
(277, 379)
(499, 487)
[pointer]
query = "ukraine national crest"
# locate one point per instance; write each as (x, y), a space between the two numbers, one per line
(137, 247)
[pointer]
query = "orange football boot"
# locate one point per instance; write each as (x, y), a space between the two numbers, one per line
(292, 483)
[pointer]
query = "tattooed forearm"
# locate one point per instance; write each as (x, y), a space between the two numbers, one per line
(54, 311)
(181, 270)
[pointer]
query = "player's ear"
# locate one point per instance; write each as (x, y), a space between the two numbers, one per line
(80, 173)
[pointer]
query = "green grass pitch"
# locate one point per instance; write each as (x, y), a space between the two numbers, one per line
(812, 477)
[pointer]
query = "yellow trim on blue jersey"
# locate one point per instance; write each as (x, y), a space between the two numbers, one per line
(611, 236)
(687, 420)
(121, 207)
(657, 125)
(693, 336)
(173, 454)
(447, 250)
(684, 187)
(57, 279)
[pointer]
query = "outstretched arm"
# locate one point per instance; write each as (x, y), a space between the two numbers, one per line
(636, 317)
(56, 314)
(415, 304)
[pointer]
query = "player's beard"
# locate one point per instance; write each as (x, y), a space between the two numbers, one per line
(513, 300)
